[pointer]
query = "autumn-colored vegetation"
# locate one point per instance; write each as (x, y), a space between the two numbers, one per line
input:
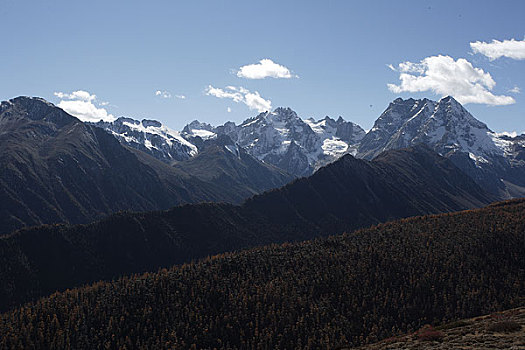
(322, 294)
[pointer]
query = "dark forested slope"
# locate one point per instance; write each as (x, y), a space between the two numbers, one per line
(340, 291)
(342, 196)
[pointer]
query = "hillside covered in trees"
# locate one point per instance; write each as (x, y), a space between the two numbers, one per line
(340, 291)
(342, 196)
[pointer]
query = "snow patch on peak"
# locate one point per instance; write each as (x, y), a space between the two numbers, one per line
(151, 136)
(203, 134)
(334, 147)
(233, 149)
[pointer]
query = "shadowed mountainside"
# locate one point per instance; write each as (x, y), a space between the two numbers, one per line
(342, 196)
(54, 168)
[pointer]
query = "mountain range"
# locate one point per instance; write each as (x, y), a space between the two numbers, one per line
(299, 147)
(128, 197)
(55, 168)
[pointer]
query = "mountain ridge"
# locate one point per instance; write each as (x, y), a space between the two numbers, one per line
(450, 130)
(55, 168)
(336, 292)
(300, 147)
(342, 196)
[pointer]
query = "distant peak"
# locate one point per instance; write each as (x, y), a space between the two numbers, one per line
(28, 100)
(449, 99)
(284, 109)
(400, 100)
(197, 125)
(409, 101)
(37, 108)
(453, 103)
(154, 123)
(128, 120)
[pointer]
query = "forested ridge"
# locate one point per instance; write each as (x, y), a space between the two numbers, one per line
(344, 290)
(343, 196)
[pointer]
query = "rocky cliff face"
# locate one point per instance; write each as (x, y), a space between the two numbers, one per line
(494, 161)
(285, 140)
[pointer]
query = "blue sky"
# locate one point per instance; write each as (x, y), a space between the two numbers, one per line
(337, 54)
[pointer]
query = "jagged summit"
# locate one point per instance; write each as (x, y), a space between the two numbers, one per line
(450, 130)
(301, 146)
(282, 138)
(151, 137)
(445, 125)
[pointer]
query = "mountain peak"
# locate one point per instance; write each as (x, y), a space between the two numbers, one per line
(30, 100)
(284, 110)
(36, 108)
(282, 114)
(448, 99)
(148, 122)
(196, 125)
(399, 100)
(152, 137)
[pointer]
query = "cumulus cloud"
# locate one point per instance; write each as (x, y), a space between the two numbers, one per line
(163, 94)
(239, 94)
(264, 69)
(81, 104)
(507, 48)
(515, 90)
(228, 110)
(445, 76)
(181, 97)
(76, 95)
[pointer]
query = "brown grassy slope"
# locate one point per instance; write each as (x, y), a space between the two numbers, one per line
(502, 330)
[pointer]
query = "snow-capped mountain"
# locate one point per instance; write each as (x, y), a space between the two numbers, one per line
(300, 146)
(493, 160)
(151, 137)
(197, 129)
(285, 140)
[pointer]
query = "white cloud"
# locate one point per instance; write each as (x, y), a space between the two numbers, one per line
(228, 110)
(181, 97)
(239, 94)
(445, 76)
(515, 90)
(163, 93)
(81, 105)
(264, 69)
(507, 48)
(76, 95)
